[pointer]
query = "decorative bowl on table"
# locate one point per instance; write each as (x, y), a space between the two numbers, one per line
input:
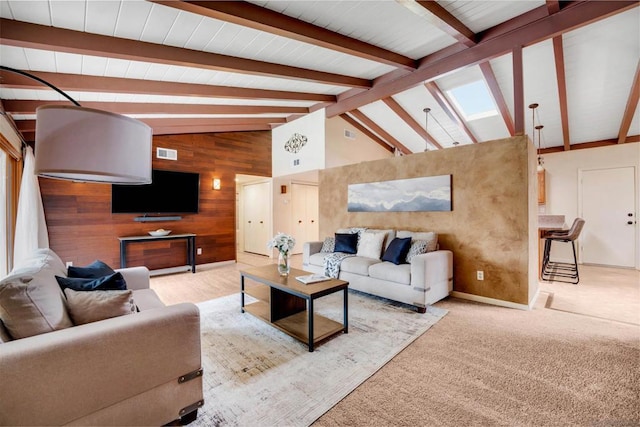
(159, 233)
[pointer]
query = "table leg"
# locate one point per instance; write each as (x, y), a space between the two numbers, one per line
(241, 293)
(346, 316)
(123, 254)
(192, 253)
(310, 314)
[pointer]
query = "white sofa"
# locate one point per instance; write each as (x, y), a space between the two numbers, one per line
(426, 280)
(124, 370)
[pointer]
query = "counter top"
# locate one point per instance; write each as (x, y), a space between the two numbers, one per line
(551, 222)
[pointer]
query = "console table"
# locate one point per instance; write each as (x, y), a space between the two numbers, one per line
(191, 246)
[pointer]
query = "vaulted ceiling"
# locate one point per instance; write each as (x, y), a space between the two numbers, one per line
(198, 66)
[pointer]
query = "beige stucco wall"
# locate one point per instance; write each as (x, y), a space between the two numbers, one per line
(489, 228)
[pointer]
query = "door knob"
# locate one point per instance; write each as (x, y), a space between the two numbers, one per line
(312, 221)
(261, 222)
(249, 222)
(299, 221)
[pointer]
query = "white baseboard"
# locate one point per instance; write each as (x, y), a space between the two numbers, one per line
(185, 268)
(493, 301)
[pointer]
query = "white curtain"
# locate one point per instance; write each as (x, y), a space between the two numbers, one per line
(31, 228)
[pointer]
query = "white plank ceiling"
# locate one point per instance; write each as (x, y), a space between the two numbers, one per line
(283, 59)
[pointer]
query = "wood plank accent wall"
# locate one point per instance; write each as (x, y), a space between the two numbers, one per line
(83, 229)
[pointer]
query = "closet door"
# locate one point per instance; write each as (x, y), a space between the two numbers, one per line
(304, 214)
(256, 217)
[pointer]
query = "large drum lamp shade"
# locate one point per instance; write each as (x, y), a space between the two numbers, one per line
(88, 145)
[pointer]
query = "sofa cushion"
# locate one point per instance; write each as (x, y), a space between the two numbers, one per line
(329, 245)
(391, 272)
(112, 282)
(317, 259)
(397, 250)
(429, 236)
(370, 245)
(346, 243)
(87, 307)
(358, 265)
(31, 302)
(94, 270)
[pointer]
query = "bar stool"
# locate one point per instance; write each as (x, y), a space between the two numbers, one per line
(562, 271)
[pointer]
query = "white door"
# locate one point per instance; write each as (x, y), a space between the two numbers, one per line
(304, 210)
(256, 217)
(608, 208)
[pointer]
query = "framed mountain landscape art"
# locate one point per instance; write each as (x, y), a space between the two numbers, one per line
(431, 193)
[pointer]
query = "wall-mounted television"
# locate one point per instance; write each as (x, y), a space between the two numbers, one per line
(170, 192)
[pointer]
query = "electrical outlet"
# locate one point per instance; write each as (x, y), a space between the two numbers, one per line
(69, 264)
(480, 275)
(199, 251)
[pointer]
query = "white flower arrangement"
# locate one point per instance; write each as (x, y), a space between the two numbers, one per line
(282, 242)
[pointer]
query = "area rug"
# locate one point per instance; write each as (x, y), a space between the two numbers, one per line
(255, 375)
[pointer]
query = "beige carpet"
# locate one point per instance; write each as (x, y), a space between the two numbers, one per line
(485, 365)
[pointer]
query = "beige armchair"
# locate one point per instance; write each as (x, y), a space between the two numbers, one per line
(139, 369)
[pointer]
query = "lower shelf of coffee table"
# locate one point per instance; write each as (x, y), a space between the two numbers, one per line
(297, 325)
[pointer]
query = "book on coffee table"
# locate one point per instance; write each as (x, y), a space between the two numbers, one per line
(312, 278)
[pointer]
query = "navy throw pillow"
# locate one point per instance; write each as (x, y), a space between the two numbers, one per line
(397, 250)
(112, 282)
(347, 243)
(95, 270)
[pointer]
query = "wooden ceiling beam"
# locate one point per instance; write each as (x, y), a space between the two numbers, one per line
(29, 107)
(366, 132)
(630, 109)
(558, 53)
(185, 123)
(498, 97)
(409, 120)
(592, 144)
(83, 83)
(366, 121)
(445, 21)
(518, 91)
(450, 110)
(492, 44)
(34, 36)
(259, 18)
(177, 130)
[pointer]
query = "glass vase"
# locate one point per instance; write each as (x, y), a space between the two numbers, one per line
(283, 264)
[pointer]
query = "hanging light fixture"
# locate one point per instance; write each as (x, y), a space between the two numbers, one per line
(88, 145)
(426, 127)
(427, 111)
(539, 127)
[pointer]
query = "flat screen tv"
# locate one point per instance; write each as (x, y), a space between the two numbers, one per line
(170, 192)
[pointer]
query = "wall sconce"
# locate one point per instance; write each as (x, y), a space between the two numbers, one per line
(216, 183)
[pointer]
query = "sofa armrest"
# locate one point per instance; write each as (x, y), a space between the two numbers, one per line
(136, 277)
(57, 377)
(433, 270)
(309, 249)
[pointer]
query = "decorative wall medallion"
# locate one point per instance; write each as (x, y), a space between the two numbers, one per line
(295, 143)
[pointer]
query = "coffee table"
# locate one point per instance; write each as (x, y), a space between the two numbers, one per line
(287, 304)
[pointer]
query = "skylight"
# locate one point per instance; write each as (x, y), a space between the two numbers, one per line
(473, 100)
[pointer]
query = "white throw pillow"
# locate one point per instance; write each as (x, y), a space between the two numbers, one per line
(91, 306)
(370, 245)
